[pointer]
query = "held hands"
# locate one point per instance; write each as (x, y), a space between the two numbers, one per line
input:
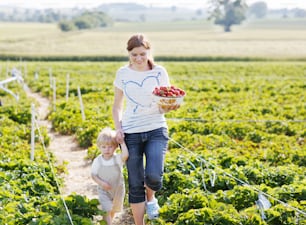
(119, 136)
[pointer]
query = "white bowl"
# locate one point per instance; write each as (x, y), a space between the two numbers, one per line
(167, 102)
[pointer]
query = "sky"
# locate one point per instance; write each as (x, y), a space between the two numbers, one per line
(272, 4)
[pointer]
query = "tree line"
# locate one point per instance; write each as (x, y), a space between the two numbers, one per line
(225, 13)
(87, 20)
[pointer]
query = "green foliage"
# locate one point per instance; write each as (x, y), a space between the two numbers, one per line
(240, 129)
(179, 203)
(87, 20)
(66, 26)
(20, 113)
(281, 214)
(208, 216)
(28, 189)
(95, 19)
(197, 208)
(92, 152)
(241, 197)
(81, 211)
(296, 191)
(82, 206)
(176, 182)
(87, 134)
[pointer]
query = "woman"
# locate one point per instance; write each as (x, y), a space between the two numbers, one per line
(142, 126)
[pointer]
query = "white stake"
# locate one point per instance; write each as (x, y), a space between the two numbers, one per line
(50, 77)
(7, 68)
(25, 69)
(36, 75)
(32, 132)
(54, 94)
(81, 103)
(67, 86)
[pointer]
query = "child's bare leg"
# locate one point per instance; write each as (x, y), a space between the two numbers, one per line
(107, 218)
(112, 214)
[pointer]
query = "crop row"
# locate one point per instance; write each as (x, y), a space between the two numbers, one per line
(240, 131)
(30, 189)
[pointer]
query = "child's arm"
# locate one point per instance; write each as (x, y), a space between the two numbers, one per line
(125, 152)
(105, 185)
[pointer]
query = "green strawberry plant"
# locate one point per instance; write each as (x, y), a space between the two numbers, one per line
(241, 128)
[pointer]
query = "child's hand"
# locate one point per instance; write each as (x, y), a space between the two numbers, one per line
(106, 186)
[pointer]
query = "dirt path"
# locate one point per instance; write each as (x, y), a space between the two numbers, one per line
(66, 150)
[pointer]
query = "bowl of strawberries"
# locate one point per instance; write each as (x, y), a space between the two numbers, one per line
(168, 96)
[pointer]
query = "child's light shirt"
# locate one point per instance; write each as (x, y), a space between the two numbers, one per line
(109, 162)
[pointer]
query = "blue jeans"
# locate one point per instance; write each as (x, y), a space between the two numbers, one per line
(153, 145)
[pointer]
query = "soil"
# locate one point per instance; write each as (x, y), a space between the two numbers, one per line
(67, 151)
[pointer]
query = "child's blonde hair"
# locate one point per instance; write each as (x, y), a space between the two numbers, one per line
(107, 136)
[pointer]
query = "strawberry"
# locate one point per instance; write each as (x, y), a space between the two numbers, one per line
(168, 91)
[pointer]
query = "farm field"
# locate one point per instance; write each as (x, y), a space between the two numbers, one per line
(239, 134)
(276, 39)
(238, 138)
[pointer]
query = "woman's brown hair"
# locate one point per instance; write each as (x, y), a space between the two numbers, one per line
(139, 40)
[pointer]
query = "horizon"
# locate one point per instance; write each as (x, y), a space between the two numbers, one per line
(192, 4)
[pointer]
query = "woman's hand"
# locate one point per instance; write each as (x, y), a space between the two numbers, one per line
(119, 136)
(168, 108)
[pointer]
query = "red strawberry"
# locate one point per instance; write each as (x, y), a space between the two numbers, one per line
(170, 91)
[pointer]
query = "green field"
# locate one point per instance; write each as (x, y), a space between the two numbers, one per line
(285, 39)
(240, 131)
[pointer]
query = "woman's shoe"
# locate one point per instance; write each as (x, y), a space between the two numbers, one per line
(152, 209)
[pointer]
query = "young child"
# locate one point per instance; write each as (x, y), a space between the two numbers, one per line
(106, 171)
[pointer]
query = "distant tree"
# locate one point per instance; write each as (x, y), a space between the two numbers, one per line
(66, 26)
(227, 12)
(259, 9)
(41, 18)
(299, 13)
(83, 23)
(142, 17)
(86, 20)
(285, 12)
(2, 16)
(51, 16)
(173, 8)
(199, 12)
(95, 19)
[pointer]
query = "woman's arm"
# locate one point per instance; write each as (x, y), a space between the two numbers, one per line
(117, 114)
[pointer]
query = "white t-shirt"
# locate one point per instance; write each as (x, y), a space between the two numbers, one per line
(141, 113)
